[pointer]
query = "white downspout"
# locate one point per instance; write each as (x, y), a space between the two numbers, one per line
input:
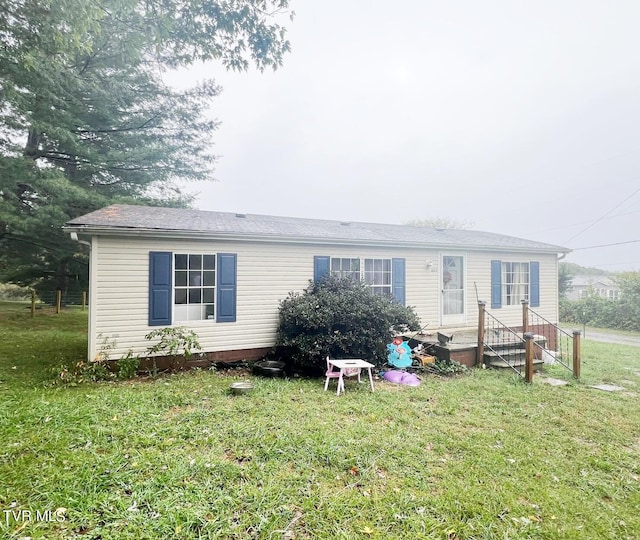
(93, 245)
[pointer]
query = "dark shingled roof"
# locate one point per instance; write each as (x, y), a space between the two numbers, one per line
(154, 220)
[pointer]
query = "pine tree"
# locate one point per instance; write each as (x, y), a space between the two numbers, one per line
(86, 119)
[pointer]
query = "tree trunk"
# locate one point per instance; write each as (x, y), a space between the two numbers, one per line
(31, 149)
(62, 279)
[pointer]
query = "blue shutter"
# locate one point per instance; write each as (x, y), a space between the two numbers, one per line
(320, 267)
(159, 288)
(534, 284)
(226, 287)
(496, 284)
(398, 288)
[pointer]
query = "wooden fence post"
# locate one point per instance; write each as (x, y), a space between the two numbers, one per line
(480, 349)
(33, 304)
(528, 359)
(58, 301)
(576, 354)
(525, 316)
(84, 300)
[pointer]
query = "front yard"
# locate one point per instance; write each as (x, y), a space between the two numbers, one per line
(480, 456)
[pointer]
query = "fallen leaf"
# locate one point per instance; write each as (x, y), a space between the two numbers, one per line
(367, 530)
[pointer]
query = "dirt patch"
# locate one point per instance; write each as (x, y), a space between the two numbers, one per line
(241, 372)
(230, 455)
(176, 411)
(635, 446)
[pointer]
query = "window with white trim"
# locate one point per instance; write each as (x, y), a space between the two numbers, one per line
(377, 272)
(194, 290)
(345, 268)
(515, 283)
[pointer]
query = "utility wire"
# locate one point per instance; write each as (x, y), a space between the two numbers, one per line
(607, 245)
(603, 216)
(614, 264)
(590, 221)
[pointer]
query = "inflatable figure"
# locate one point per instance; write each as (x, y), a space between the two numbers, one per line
(399, 353)
(401, 377)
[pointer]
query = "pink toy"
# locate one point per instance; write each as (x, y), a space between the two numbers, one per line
(401, 377)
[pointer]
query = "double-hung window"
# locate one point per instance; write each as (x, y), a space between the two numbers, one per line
(513, 282)
(186, 287)
(194, 286)
(377, 274)
(345, 268)
(384, 276)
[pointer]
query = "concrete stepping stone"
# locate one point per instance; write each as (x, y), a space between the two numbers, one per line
(553, 382)
(608, 387)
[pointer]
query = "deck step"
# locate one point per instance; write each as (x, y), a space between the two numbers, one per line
(517, 363)
(540, 341)
(512, 357)
(504, 352)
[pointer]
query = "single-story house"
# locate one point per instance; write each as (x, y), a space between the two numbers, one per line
(583, 286)
(224, 274)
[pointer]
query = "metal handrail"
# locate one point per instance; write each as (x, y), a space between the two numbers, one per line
(502, 327)
(562, 332)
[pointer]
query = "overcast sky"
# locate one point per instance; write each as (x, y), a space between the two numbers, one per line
(522, 118)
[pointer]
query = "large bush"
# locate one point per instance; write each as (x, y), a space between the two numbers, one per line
(340, 318)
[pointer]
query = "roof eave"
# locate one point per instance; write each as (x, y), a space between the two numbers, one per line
(89, 231)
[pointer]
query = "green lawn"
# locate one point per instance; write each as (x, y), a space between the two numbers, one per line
(481, 456)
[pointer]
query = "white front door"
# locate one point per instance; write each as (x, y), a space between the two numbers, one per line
(452, 278)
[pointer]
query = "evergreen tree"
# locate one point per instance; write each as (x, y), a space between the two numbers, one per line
(86, 119)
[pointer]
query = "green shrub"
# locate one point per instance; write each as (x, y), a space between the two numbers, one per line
(100, 368)
(446, 368)
(171, 342)
(84, 371)
(623, 314)
(339, 318)
(127, 366)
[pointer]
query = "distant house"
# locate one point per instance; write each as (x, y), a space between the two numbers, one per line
(224, 274)
(584, 286)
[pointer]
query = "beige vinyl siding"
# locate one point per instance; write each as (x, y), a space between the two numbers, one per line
(480, 271)
(422, 285)
(264, 277)
(266, 273)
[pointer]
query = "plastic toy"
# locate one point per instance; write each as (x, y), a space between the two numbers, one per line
(399, 353)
